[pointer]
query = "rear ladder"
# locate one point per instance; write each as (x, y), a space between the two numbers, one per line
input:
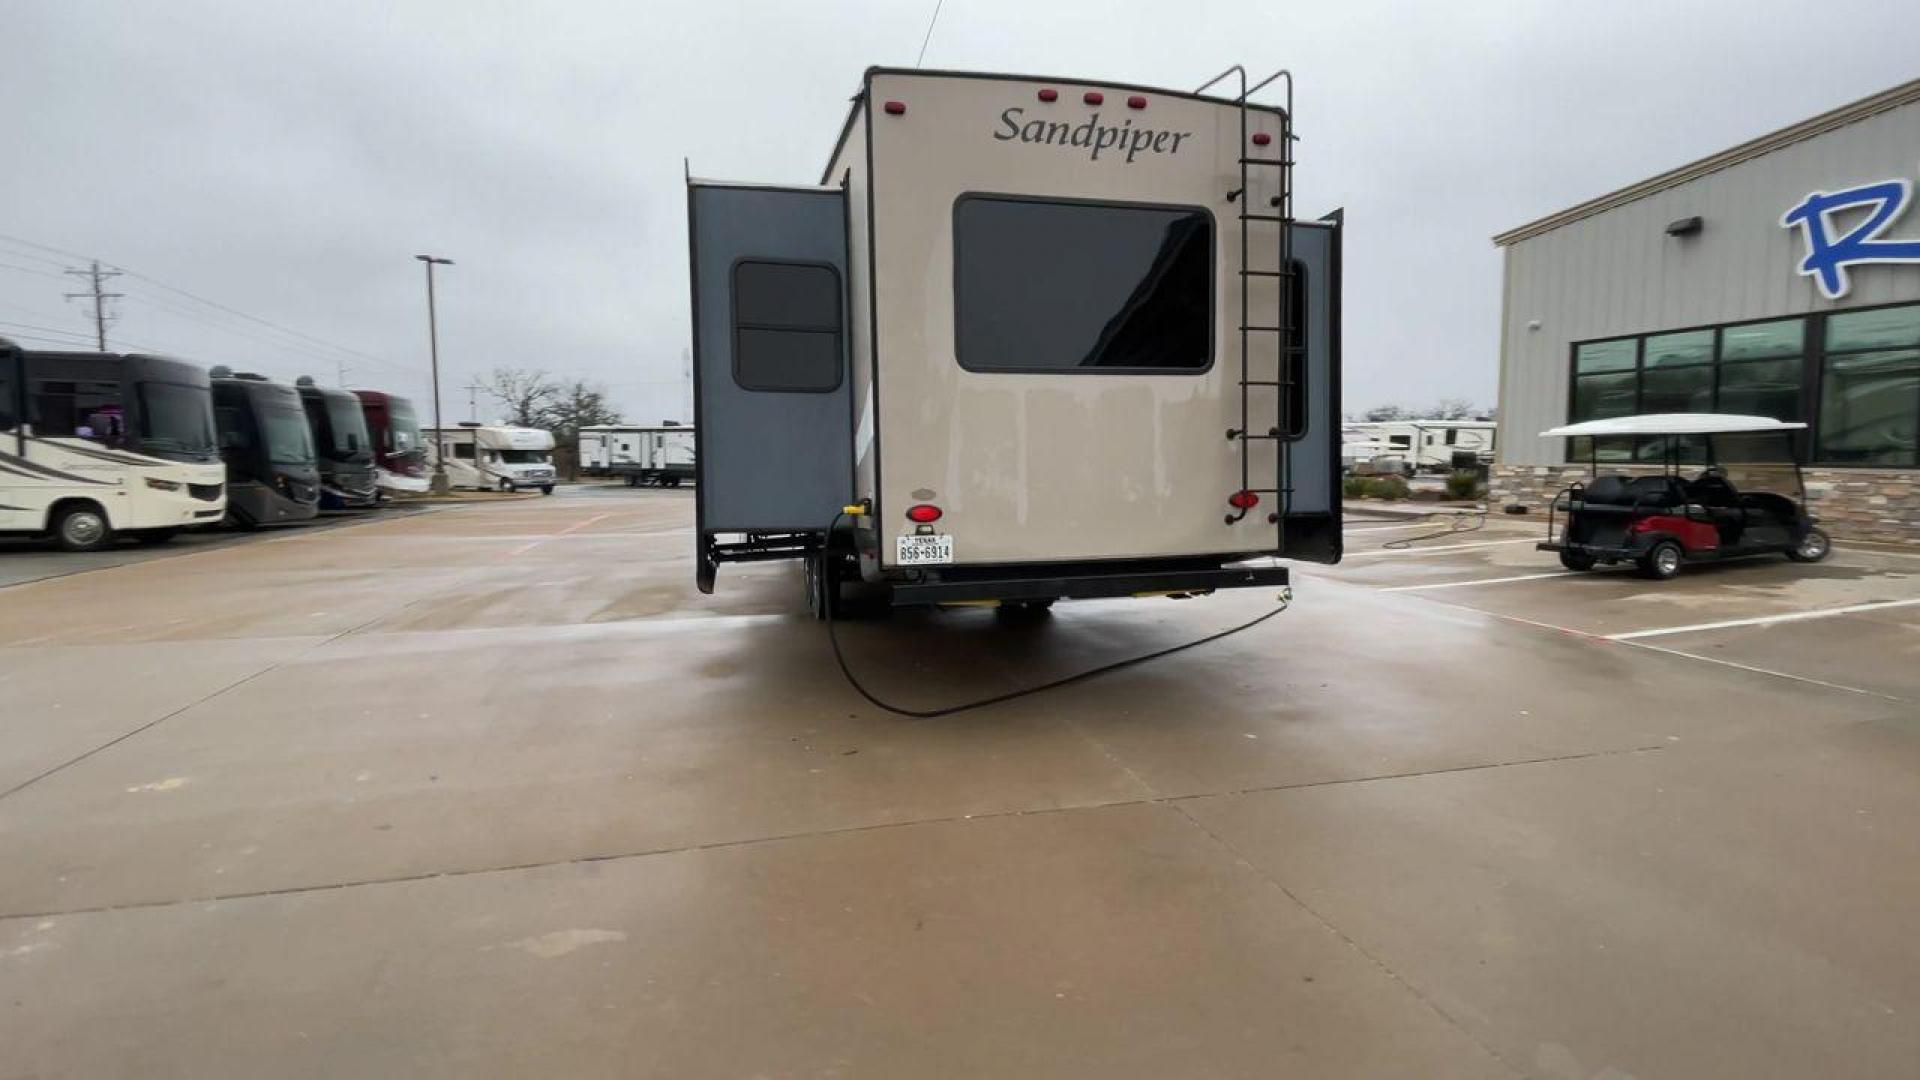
(1289, 346)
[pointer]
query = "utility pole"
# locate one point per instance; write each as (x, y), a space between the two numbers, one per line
(473, 400)
(340, 373)
(440, 485)
(97, 277)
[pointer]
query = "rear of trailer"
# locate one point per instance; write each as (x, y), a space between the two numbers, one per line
(1029, 338)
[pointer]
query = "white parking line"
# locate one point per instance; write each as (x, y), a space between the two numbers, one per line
(1764, 620)
(1437, 550)
(1480, 581)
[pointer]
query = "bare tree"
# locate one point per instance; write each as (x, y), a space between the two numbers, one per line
(524, 396)
(1452, 409)
(1389, 412)
(578, 404)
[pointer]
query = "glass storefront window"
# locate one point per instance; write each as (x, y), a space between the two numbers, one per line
(1761, 388)
(1599, 396)
(1691, 347)
(1884, 328)
(1870, 408)
(1598, 356)
(1677, 390)
(1756, 341)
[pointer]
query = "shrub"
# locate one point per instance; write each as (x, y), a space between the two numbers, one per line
(1464, 484)
(1354, 487)
(1387, 487)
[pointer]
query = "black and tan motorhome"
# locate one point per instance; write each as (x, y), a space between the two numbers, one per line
(1028, 338)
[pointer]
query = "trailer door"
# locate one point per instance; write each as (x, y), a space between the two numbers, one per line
(1311, 530)
(772, 400)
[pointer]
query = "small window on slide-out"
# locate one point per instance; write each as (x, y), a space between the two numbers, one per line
(786, 326)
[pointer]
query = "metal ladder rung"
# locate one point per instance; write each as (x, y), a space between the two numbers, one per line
(1265, 273)
(1281, 162)
(1261, 217)
(1270, 329)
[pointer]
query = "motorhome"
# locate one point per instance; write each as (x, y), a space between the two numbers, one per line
(341, 441)
(643, 455)
(484, 458)
(1432, 445)
(1027, 338)
(273, 473)
(94, 446)
(399, 454)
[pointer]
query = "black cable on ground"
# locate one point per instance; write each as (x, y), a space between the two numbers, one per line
(1461, 523)
(829, 600)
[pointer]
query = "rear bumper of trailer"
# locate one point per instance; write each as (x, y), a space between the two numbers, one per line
(1085, 582)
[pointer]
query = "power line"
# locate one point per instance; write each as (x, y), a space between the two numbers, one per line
(929, 37)
(30, 270)
(214, 304)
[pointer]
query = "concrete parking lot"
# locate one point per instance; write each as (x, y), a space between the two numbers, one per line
(494, 792)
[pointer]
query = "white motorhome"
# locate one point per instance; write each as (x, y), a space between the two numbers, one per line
(643, 455)
(96, 445)
(1027, 338)
(1432, 445)
(494, 458)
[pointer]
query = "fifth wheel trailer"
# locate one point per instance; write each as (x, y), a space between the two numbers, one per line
(1028, 338)
(99, 445)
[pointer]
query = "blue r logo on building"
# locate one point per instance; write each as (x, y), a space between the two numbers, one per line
(1830, 251)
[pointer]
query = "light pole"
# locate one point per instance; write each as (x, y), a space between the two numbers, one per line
(440, 485)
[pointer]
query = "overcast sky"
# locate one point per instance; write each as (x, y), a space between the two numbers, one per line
(288, 160)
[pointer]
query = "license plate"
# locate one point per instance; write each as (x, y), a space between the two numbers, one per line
(922, 550)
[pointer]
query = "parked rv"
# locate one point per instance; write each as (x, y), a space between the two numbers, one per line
(643, 455)
(484, 458)
(341, 442)
(273, 473)
(399, 453)
(94, 446)
(1026, 339)
(1431, 445)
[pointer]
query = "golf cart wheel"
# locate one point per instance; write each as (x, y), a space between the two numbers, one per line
(1577, 560)
(1663, 562)
(82, 528)
(1813, 547)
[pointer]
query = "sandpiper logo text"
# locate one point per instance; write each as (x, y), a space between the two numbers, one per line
(1090, 135)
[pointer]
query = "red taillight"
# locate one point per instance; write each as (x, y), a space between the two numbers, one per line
(923, 514)
(1260, 138)
(1094, 97)
(1244, 500)
(1136, 102)
(896, 108)
(1049, 94)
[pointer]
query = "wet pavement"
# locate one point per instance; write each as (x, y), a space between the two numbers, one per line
(494, 791)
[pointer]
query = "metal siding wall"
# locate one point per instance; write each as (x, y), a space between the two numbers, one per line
(1619, 273)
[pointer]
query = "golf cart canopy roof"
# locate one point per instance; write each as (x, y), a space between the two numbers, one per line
(1672, 424)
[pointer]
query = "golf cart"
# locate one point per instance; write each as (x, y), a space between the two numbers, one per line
(1664, 520)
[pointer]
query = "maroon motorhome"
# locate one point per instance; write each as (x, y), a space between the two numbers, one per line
(399, 455)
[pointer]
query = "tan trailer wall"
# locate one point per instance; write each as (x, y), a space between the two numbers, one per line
(1035, 467)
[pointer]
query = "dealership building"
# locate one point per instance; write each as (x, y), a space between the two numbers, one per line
(1778, 278)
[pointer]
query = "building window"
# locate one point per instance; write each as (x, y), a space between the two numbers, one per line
(1100, 288)
(1870, 387)
(786, 326)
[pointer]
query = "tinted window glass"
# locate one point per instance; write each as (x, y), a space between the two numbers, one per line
(1598, 396)
(1887, 328)
(1043, 286)
(1682, 390)
(1756, 340)
(63, 409)
(176, 418)
(284, 429)
(1870, 408)
(1762, 388)
(1605, 356)
(1692, 347)
(786, 326)
(9, 388)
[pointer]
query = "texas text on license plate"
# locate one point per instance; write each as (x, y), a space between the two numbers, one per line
(922, 550)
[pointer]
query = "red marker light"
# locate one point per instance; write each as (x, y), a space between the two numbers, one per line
(1136, 102)
(1243, 500)
(923, 514)
(896, 108)
(1049, 94)
(1260, 138)
(1094, 97)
